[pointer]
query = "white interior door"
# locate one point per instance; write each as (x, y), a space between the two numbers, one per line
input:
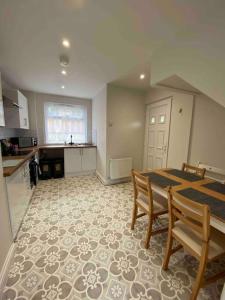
(157, 134)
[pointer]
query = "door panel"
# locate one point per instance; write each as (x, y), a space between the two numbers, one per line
(23, 111)
(150, 162)
(72, 160)
(158, 162)
(156, 139)
(88, 159)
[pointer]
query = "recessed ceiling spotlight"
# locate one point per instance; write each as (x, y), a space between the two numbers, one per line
(63, 86)
(63, 72)
(66, 43)
(142, 76)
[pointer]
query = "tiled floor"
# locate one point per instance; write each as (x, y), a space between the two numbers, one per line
(76, 243)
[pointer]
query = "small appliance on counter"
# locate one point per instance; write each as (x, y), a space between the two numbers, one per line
(24, 142)
(8, 148)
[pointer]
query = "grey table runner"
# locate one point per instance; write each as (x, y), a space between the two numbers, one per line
(217, 206)
(216, 187)
(184, 175)
(160, 180)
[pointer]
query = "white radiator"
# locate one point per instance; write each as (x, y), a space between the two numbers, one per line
(120, 167)
(213, 172)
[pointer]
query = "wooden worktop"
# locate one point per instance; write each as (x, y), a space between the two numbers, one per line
(8, 171)
(63, 146)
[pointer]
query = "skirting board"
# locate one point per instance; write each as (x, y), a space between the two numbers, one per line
(110, 181)
(5, 268)
(91, 172)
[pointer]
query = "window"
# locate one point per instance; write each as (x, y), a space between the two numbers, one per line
(162, 119)
(152, 122)
(64, 120)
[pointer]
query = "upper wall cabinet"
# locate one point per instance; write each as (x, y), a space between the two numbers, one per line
(2, 119)
(16, 109)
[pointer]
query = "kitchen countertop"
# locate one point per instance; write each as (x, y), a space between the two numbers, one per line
(8, 171)
(63, 146)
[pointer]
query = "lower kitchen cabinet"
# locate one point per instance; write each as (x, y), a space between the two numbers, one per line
(18, 193)
(79, 161)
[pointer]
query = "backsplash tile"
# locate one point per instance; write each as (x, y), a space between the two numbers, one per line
(14, 132)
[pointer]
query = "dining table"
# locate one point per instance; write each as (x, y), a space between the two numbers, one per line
(202, 190)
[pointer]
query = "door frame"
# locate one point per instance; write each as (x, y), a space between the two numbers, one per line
(153, 104)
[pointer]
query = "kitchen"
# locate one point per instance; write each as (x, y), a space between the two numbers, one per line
(25, 161)
(111, 113)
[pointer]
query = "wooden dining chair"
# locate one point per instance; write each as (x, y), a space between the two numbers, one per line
(189, 224)
(151, 204)
(194, 170)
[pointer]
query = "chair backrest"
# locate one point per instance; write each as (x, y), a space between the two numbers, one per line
(195, 215)
(213, 172)
(142, 186)
(195, 170)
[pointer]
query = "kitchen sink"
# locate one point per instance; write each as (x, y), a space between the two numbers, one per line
(11, 162)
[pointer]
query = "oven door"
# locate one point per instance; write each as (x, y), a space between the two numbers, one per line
(33, 166)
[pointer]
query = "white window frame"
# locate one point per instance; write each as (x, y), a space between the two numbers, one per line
(46, 104)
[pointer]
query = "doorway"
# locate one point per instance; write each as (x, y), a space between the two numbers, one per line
(157, 134)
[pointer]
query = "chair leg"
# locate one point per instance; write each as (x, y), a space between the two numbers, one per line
(168, 251)
(134, 217)
(149, 232)
(200, 275)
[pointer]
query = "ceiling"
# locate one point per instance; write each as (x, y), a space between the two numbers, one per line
(176, 82)
(109, 39)
(132, 79)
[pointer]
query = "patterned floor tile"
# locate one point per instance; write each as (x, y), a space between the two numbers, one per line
(75, 243)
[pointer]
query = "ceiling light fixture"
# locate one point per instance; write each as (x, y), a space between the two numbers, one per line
(63, 72)
(142, 76)
(64, 60)
(63, 86)
(66, 43)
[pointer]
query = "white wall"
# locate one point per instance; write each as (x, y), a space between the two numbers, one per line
(207, 142)
(180, 125)
(118, 116)
(126, 122)
(208, 133)
(5, 227)
(36, 111)
(200, 64)
(99, 129)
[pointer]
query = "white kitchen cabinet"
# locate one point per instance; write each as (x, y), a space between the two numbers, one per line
(72, 161)
(2, 118)
(23, 111)
(88, 159)
(18, 194)
(79, 161)
(16, 109)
